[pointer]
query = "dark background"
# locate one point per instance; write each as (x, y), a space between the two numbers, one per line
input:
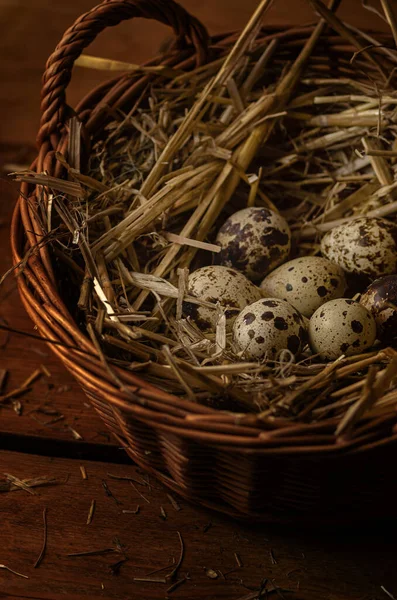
(30, 30)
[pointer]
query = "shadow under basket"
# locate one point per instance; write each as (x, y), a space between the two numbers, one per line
(235, 464)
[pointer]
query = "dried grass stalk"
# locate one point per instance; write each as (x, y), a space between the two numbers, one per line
(269, 123)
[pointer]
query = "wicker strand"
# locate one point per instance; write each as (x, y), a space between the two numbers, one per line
(59, 66)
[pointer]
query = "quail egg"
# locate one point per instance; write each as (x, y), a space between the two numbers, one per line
(217, 284)
(268, 326)
(306, 283)
(341, 326)
(364, 247)
(380, 299)
(254, 241)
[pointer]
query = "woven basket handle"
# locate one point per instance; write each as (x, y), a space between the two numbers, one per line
(59, 66)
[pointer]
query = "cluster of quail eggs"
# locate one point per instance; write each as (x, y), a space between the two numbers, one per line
(273, 304)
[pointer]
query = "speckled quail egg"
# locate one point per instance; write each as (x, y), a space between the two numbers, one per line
(306, 283)
(380, 298)
(268, 326)
(217, 284)
(254, 241)
(363, 247)
(341, 326)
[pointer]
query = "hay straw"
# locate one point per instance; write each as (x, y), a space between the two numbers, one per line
(391, 17)
(105, 64)
(269, 122)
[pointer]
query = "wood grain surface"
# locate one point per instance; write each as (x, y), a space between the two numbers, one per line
(343, 564)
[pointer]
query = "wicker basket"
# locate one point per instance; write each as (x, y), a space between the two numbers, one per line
(203, 455)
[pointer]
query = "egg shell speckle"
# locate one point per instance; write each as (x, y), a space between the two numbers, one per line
(364, 247)
(341, 326)
(306, 283)
(380, 298)
(268, 326)
(218, 284)
(254, 241)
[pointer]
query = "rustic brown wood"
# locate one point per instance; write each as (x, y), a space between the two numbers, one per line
(343, 565)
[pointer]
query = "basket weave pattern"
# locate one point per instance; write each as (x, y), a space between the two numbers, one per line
(240, 468)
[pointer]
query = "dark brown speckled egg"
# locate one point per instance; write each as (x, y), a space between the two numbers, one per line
(254, 241)
(380, 298)
(265, 328)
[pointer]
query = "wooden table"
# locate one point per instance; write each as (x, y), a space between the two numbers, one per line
(222, 559)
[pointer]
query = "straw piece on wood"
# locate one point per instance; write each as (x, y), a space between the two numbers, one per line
(44, 546)
(91, 512)
(13, 572)
(11, 486)
(23, 388)
(19, 483)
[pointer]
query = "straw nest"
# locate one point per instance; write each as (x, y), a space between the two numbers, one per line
(304, 126)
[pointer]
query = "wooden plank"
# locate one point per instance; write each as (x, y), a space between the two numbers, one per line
(21, 356)
(343, 565)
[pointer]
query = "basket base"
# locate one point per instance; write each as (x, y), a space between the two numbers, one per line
(309, 519)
